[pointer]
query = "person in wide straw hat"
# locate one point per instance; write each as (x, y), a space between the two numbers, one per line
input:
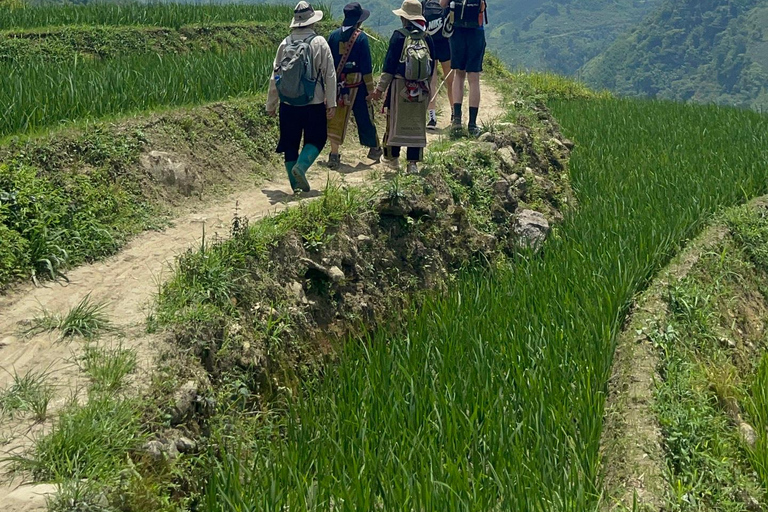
(305, 102)
(354, 72)
(406, 77)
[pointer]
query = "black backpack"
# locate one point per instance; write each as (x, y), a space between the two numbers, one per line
(469, 13)
(435, 16)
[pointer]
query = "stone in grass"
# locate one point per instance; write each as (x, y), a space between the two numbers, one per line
(531, 228)
(748, 434)
(185, 400)
(185, 445)
(507, 157)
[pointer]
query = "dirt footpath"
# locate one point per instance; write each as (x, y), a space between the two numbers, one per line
(128, 282)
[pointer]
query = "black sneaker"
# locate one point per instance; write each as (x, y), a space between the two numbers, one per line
(375, 153)
(456, 129)
(474, 130)
(432, 124)
(334, 161)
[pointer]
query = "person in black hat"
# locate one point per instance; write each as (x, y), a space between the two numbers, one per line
(354, 70)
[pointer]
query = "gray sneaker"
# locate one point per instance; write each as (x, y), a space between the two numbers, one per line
(474, 130)
(375, 153)
(391, 162)
(334, 160)
(413, 168)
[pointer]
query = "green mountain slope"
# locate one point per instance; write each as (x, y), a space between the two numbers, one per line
(560, 35)
(554, 35)
(697, 50)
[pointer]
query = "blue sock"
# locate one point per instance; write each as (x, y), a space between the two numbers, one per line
(307, 157)
(289, 168)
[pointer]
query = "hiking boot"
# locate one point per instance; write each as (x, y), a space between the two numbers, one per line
(474, 130)
(334, 160)
(391, 162)
(432, 124)
(375, 153)
(301, 179)
(413, 168)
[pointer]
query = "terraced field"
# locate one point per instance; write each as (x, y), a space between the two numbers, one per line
(402, 346)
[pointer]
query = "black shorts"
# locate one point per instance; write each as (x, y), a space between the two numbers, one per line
(467, 49)
(442, 49)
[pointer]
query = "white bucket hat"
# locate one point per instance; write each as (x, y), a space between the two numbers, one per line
(304, 15)
(411, 10)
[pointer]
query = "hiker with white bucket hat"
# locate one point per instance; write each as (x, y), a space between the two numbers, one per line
(407, 75)
(303, 85)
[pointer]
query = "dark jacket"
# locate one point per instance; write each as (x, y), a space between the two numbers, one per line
(359, 60)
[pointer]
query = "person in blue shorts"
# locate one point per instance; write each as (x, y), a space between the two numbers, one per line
(467, 53)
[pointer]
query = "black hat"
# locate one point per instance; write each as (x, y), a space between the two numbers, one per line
(354, 14)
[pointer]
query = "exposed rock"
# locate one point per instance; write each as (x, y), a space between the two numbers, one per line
(316, 270)
(507, 157)
(336, 274)
(501, 186)
(490, 147)
(185, 445)
(170, 450)
(748, 434)
(522, 185)
(531, 228)
(185, 400)
(297, 291)
(168, 169)
(487, 137)
(154, 449)
(568, 143)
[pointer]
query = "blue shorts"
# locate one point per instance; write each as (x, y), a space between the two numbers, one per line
(468, 49)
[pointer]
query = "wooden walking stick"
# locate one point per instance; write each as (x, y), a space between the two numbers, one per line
(441, 85)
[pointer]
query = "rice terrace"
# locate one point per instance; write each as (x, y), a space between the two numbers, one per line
(566, 311)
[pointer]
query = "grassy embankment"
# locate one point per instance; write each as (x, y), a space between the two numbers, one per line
(508, 370)
(710, 401)
(75, 194)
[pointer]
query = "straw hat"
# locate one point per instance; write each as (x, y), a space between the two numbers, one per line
(304, 15)
(411, 10)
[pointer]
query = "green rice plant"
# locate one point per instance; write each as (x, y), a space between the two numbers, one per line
(107, 367)
(757, 407)
(494, 397)
(28, 393)
(86, 319)
(37, 94)
(163, 14)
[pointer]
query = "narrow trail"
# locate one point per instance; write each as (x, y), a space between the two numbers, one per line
(128, 282)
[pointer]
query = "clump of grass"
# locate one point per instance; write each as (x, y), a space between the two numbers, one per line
(87, 319)
(89, 441)
(28, 393)
(107, 367)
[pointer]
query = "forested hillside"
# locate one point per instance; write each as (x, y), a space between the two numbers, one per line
(697, 50)
(553, 35)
